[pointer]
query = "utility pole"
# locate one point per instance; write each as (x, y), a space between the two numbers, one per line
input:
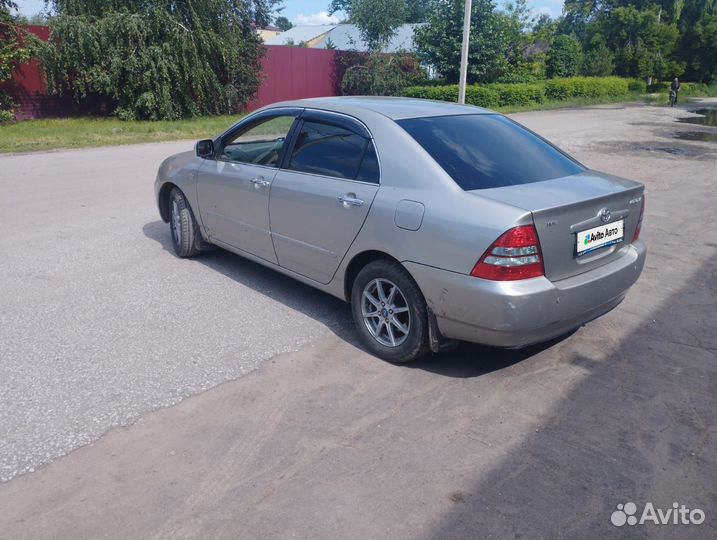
(464, 52)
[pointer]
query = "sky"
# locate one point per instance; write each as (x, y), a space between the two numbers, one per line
(313, 11)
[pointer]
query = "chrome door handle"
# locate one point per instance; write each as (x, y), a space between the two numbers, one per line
(259, 182)
(350, 200)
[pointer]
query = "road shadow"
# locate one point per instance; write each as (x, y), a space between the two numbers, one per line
(468, 360)
(639, 426)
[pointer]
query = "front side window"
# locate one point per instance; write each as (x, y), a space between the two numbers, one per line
(482, 151)
(331, 150)
(261, 144)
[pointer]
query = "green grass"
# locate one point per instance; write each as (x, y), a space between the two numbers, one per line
(50, 134)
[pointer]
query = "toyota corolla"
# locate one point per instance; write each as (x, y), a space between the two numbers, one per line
(437, 222)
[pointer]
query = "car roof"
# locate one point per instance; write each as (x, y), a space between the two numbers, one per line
(396, 108)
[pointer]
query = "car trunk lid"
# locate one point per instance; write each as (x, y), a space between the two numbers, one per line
(590, 203)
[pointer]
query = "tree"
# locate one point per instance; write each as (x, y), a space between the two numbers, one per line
(642, 41)
(377, 20)
(439, 41)
(649, 38)
(283, 24)
(15, 48)
(598, 62)
(564, 57)
(377, 73)
(516, 20)
(697, 45)
(157, 59)
(415, 11)
(544, 29)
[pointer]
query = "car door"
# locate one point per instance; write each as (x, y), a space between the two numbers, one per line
(233, 188)
(322, 194)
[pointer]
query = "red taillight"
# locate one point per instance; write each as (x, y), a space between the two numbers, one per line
(636, 236)
(515, 255)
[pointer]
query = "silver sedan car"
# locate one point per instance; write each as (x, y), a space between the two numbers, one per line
(437, 222)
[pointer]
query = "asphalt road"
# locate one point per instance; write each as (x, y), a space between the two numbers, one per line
(100, 325)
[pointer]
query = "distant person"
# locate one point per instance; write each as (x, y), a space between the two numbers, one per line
(675, 88)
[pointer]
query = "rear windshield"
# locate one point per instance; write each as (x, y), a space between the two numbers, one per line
(482, 151)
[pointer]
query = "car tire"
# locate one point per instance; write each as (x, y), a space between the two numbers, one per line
(391, 326)
(186, 238)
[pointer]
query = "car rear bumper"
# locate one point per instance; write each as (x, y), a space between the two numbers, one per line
(520, 313)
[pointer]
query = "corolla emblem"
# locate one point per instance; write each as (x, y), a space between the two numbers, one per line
(605, 215)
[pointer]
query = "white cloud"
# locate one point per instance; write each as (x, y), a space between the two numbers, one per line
(321, 17)
(543, 10)
(550, 7)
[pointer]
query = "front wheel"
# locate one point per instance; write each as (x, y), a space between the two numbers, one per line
(389, 312)
(185, 236)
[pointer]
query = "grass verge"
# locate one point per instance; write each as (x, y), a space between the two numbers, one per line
(50, 134)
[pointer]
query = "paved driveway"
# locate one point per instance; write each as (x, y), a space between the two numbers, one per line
(100, 324)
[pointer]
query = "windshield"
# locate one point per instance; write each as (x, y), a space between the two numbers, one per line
(482, 151)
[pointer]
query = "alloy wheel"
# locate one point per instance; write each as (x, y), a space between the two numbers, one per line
(385, 312)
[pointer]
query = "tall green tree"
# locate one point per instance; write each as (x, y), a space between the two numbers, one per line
(377, 20)
(415, 11)
(516, 20)
(158, 59)
(642, 41)
(564, 57)
(647, 38)
(439, 41)
(697, 45)
(377, 73)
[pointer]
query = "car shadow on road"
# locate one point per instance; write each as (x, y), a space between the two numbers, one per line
(467, 360)
(637, 425)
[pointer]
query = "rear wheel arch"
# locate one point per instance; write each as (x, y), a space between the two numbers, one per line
(358, 262)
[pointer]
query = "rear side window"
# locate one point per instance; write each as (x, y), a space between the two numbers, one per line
(481, 151)
(334, 151)
(368, 172)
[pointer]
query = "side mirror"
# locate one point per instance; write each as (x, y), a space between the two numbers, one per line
(205, 148)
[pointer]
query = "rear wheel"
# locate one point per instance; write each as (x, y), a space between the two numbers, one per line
(185, 236)
(390, 312)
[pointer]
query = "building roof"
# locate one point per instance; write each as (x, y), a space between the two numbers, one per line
(344, 37)
(301, 33)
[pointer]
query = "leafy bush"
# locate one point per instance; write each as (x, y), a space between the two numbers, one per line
(480, 96)
(6, 116)
(519, 93)
(590, 87)
(598, 62)
(636, 85)
(696, 89)
(377, 74)
(525, 94)
(688, 89)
